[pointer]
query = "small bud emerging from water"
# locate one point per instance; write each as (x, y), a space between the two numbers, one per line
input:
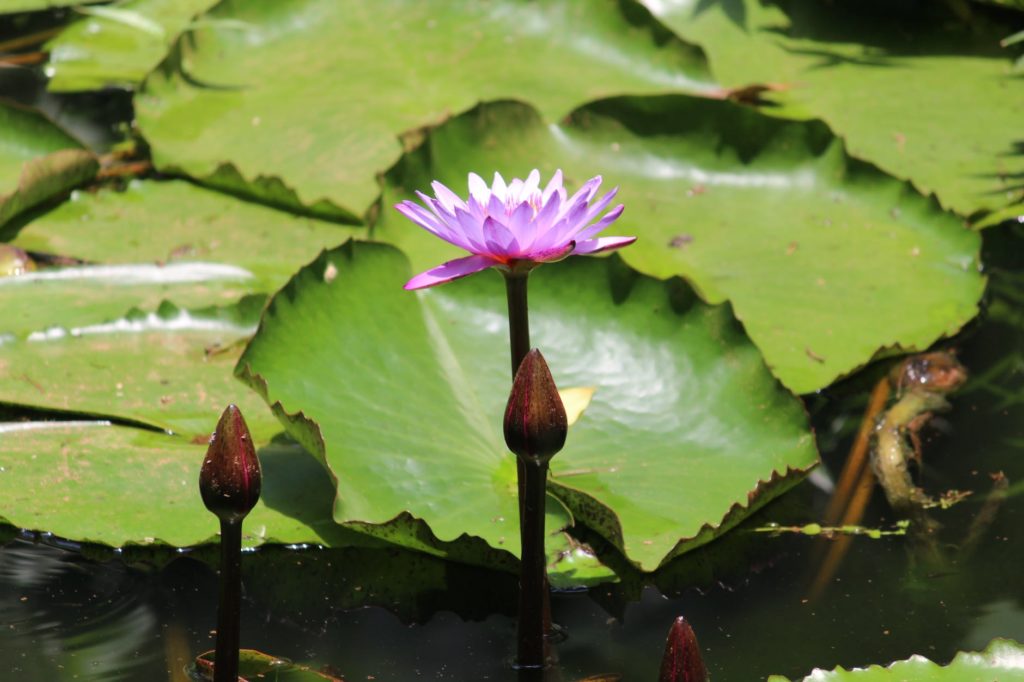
(682, 661)
(535, 421)
(230, 479)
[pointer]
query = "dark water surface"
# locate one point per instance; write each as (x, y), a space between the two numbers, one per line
(391, 615)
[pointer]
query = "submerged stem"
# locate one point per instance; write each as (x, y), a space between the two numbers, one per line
(229, 609)
(533, 584)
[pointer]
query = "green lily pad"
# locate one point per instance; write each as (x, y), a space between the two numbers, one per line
(1001, 661)
(401, 395)
(114, 485)
(195, 224)
(893, 85)
(38, 161)
(824, 259)
(205, 249)
(170, 369)
(256, 665)
(64, 478)
(118, 46)
(18, 6)
(304, 106)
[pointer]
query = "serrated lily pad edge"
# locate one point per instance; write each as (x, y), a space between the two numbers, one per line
(47, 177)
(465, 548)
(1000, 654)
(607, 525)
(307, 433)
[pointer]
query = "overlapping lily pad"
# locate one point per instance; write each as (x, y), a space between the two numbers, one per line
(256, 665)
(304, 105)
(1002, 661)
(17, 6)
(38, 161)
(115, 485)
(118, 45)
(103, 484)
(155, 241)
(402, 394)
(825, 259)
(893, 81)
(170, 369)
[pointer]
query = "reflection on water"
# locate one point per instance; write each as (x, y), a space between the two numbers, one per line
(65, 618)
(390, 615)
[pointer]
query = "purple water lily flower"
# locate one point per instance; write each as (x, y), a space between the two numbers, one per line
(513, 226)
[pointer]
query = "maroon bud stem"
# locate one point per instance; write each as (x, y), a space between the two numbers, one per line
(682, 661)
(230, 483)
(535, 421)
(535, 430)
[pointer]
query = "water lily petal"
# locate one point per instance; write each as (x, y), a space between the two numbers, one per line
(496, 209)
(471, 227)
(554, 184)
(565, 228)
(498, 187)
(599, 205)
(479, 189)
(609, 218)
(545, 218)
(513, 223)
(449, 199)
(586, 192)
(603, 244)
(446, 272)
(499, 239)
(531, 185)
(424, 219)
(434, 205)
(554, 254)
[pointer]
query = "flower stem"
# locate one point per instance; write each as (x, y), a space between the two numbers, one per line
(519, 343)
(533, 584)
(518, 317)
(229, 609)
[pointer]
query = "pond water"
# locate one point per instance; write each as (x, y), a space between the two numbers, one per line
(392, 615)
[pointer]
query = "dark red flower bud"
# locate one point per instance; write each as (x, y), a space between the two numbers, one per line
(535, 422)
(230, 479)
(682, 661)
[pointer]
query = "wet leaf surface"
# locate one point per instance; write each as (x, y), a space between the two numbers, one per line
(673, 403)
(156, 224)
(824, 259)
(304, 105)
(256, 665)
(892, 81)
(97, 483)
(38, 161)
(170, 369)
(118, 46)
(1000, 662)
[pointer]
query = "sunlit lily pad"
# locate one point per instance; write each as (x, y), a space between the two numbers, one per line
(17, 6)
(256, 665)
(401, 395)
(38, 161)
(304, 104)
(151, 242)
(824, 259)
(1002, 661)
(170, 368)
(114, 485)
(93, 482)
(118, 45)
(892, 81)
